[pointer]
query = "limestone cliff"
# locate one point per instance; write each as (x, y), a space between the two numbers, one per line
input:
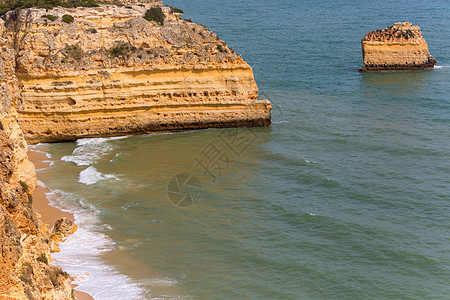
(398, 47)
(107, 71)
(24, 243)
(24, 169)
(112, 72)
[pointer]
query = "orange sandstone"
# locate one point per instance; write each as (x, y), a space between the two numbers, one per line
(111, 72)
(400, 47)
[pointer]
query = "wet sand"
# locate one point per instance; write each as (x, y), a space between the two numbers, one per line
(47, 213)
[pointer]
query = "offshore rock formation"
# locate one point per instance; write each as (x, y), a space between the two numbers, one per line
(24, 243)
(399, 47)
(111, 72)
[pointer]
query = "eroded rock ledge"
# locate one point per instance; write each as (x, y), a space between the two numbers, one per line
(25, 242)
(400, 47)
(111, 72)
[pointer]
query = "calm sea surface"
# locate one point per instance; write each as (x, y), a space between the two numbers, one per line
(345, 196)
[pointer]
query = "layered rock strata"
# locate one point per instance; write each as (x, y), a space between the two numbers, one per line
(108, 72)
(400, 47)
(111, 72)
(25, 244)
(9, 92)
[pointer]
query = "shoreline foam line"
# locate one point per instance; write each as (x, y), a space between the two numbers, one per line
(47, 212)
(81, 252)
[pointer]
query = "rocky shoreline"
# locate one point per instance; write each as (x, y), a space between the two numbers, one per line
(26, 243)
(69, 73)
(48, 214)
(107, 71)
(399, 67)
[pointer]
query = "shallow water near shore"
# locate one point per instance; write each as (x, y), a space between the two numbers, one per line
(345, 196)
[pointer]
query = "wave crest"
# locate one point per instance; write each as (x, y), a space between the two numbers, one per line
(91, 176)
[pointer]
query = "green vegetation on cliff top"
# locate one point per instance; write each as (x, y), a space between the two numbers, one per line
(7, 5)
(67, 19)
(155, 14)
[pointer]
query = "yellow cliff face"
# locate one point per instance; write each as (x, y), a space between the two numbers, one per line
(23, 168)
(111, 72)
(398, 47)
(24, 243)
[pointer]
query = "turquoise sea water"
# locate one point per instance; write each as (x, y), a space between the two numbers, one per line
(346, 196)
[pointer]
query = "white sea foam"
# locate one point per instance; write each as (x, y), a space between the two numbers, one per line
(159, 282)
(36, 148)
(90, 150)
(49, 162)
(128, 205)
(40, 183)
(441, 67)
(281, 122)
(90, 176)
(310, 161)
(81, 251)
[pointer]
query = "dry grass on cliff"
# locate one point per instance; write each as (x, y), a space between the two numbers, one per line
(8, 5)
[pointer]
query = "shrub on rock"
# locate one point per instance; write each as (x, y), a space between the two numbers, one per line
(67, 19)
(155, 14)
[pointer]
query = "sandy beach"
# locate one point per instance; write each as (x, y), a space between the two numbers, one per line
(47, 213)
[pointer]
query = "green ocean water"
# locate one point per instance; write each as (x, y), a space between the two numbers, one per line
(345, 196)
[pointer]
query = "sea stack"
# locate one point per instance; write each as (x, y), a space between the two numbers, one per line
(400, 47)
